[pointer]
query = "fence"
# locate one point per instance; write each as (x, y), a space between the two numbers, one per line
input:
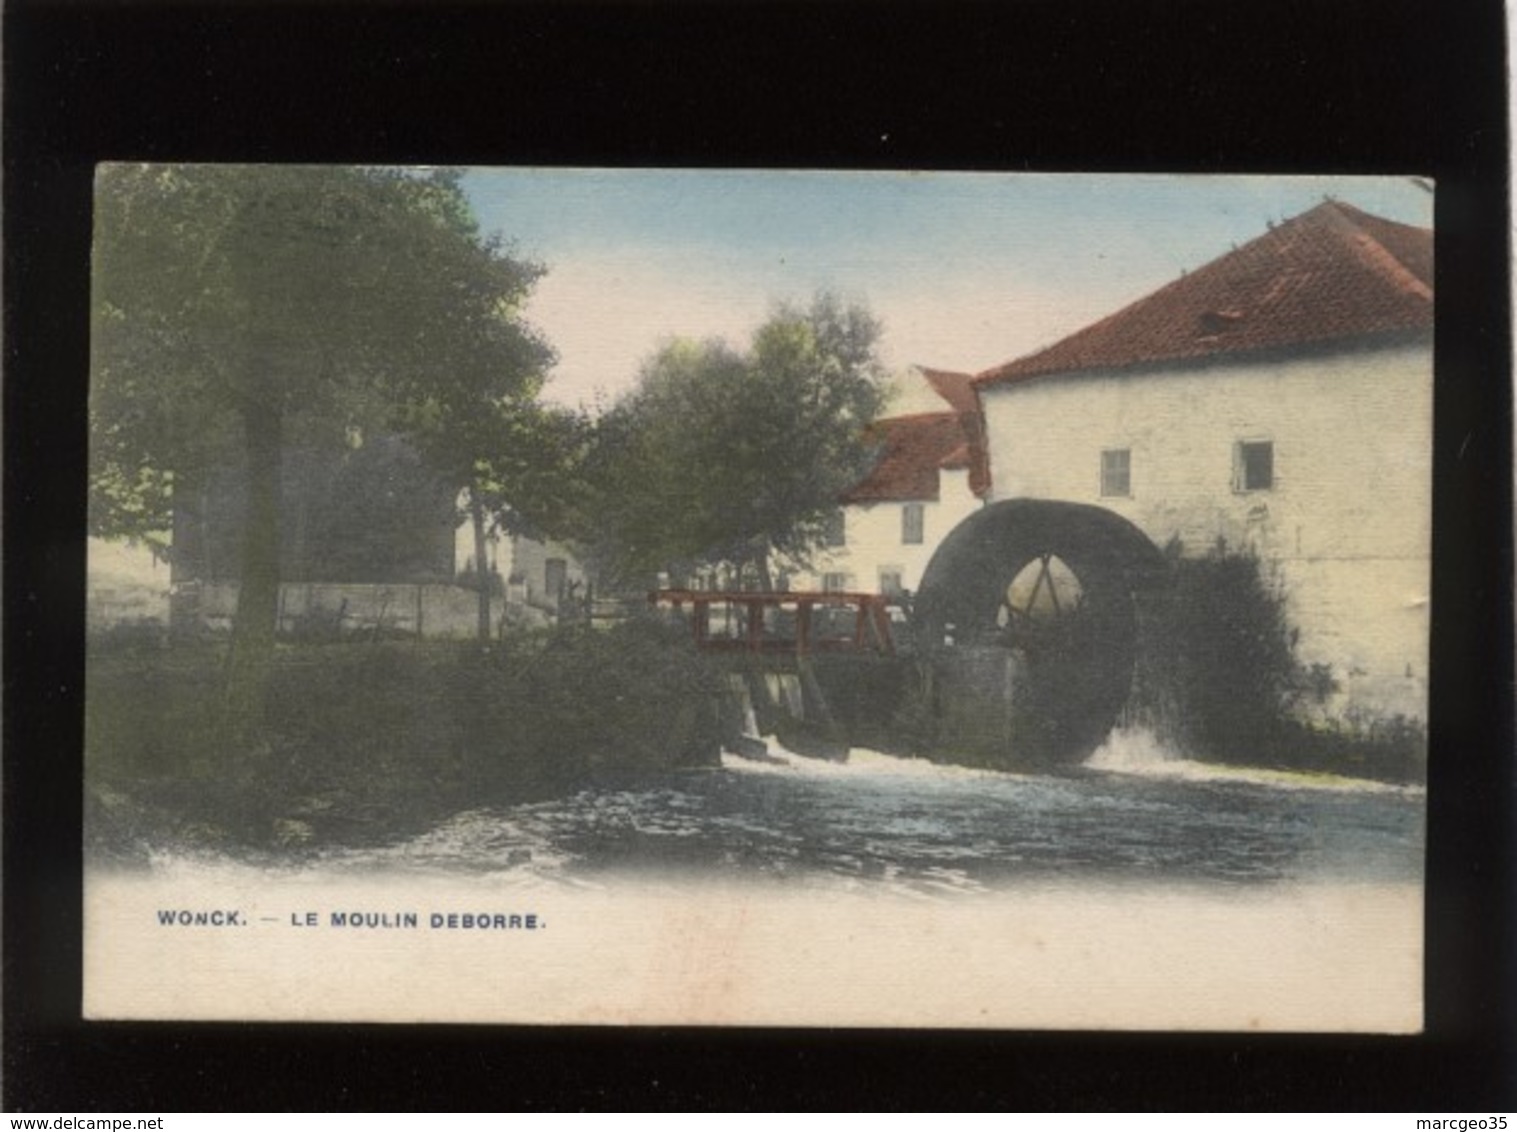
(354, 610)
(324, 609)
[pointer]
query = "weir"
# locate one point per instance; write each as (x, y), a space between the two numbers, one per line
(769, 644)
(1020, 652)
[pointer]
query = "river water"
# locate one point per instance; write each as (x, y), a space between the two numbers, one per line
(1138, 891)
(906, 826)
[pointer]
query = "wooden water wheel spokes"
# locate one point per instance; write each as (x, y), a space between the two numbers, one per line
(1050, 586)
(1043, 592)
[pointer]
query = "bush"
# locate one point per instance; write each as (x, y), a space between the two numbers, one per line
(1219, 678)
(634, 696)
(149, 711)
(1218, 673)
(1394, 749)
(540, 710)
(372, 739)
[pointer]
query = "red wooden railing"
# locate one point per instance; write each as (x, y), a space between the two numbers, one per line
(784, 624)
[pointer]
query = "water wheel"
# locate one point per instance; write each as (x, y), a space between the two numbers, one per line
(1027, 625)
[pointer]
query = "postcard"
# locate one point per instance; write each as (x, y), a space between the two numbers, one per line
(784, 598)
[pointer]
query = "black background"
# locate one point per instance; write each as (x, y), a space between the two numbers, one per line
(1354, 86)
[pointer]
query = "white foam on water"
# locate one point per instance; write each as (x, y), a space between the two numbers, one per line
(518, 850)
(1135, 751)
(861, 763)
(1138, 751)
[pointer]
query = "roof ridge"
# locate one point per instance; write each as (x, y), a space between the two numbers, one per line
(1186, 279)
(954, 387)
(987, 376)
(1374, 251)
(930, 414)
(1328, 273)
(913, 448)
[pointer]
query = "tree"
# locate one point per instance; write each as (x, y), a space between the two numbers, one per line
(726, 457)
(517, 462)
(238, 309)
(486, 432)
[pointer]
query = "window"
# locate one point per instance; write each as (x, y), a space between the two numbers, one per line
(1254, 465)
(836, 533)
(890, 581)
(1116, 471)
(836, 583)
(911, 524)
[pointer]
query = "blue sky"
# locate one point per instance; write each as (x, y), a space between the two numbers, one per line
(965, 270)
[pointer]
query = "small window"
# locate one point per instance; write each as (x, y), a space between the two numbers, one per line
(1116, 471)
(1255, 465)
(836, 533)
(890, 581)
(911, 524)
(835, 583)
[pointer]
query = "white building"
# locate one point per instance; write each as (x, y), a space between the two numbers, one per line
(126, 583)
(1278, 398)
(531, 574)
(929, 475)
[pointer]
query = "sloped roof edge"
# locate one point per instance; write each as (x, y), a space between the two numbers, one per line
(914, 448)
(1328, 277)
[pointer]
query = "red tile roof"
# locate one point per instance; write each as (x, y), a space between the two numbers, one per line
(912, 450)
(1332, 275)
(955, 388)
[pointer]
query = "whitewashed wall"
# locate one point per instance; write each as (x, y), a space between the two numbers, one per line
(1346, 527)
(529, 562)
(354, 609)
(125, 584)
(517, 558)
(873, 538)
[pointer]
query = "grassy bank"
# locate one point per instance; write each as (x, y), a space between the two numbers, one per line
(362, 742)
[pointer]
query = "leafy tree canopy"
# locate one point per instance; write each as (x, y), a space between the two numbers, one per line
(721, 456)
(323, 298)
(240, 309)
(529, 479)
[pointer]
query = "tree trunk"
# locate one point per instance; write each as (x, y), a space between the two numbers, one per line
(481, 566)
(255, 624)
(761, 561)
